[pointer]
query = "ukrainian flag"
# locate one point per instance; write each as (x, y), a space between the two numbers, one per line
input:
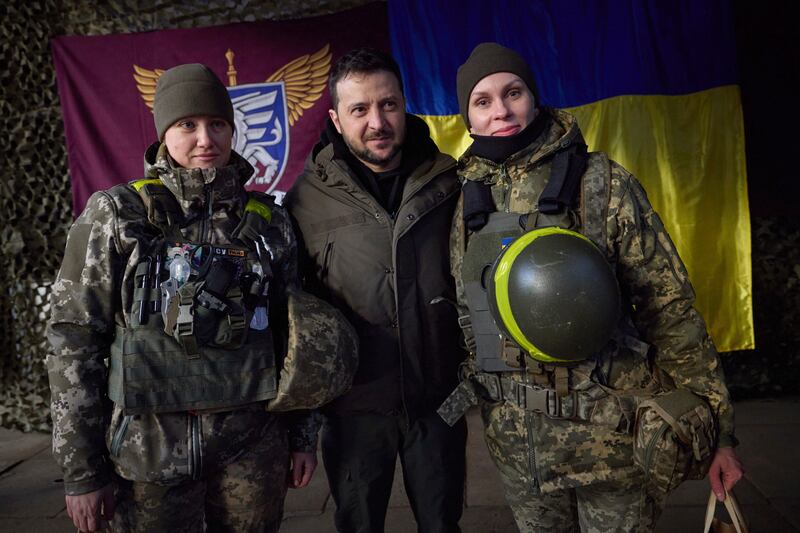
(652, 83)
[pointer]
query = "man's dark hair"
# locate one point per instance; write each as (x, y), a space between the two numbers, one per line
(361, 61)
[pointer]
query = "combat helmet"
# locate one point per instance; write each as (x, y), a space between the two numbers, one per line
(552, 291)
(321, 358)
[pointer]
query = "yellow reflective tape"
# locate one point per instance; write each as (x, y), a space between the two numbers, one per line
(260, 209)
(501, 275)
(138, 184)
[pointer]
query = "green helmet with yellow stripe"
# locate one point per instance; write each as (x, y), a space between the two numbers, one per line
(552, 291)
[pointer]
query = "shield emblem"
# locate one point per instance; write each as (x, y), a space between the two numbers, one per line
(262, 131)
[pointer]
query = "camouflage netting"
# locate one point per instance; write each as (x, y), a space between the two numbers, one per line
(35, 204)
(773, 368)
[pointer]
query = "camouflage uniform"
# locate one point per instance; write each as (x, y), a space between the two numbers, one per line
(548, 464)
(170, 452)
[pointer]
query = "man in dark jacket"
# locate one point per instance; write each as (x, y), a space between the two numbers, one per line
(374, 207)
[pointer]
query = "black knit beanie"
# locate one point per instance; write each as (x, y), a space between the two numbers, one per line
(187, 90)
(485, 59)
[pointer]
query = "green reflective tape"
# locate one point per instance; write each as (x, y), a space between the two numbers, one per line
(138, 184)
(260, 209)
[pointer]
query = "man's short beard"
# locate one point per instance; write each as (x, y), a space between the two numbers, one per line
(369, 156)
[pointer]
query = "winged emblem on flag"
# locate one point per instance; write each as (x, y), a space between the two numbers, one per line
(263, 112)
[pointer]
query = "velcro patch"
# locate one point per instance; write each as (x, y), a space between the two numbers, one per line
(75, 255)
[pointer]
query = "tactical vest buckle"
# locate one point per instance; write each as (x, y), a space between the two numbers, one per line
(538, 400)
(184, 325)
(465, 323)
(209, 301)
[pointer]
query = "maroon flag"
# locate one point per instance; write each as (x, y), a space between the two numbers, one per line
(276, 72)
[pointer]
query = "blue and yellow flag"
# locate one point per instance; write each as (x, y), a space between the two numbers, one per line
(653, 84)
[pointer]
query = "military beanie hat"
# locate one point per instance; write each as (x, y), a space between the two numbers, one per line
(485, 59)
(187, 90)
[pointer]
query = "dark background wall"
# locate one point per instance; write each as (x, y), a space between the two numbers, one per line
(35, 192)
(768, 52)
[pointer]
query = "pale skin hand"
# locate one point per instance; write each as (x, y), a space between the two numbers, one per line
(92, 511)
(724, 472)
(301, 468)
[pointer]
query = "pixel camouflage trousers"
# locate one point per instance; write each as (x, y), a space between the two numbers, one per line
(615, 505)
(243, 496)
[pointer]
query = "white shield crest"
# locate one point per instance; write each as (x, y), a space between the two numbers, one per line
(262, 131)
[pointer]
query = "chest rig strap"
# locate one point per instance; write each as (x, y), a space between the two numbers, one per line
(162, 208)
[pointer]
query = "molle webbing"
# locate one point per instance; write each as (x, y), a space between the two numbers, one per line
(201, 367)
(150, 373)
(491, 350)
(575, 405)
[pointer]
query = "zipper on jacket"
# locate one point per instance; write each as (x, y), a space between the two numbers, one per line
(195, 444)
(651, 447)
(506, 187)
(119, 435)
(207, 218)
(531, 454)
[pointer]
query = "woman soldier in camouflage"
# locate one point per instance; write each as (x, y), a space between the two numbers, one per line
(560, 428)
(165, 304)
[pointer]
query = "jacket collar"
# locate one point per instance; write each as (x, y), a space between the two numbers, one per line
(223, 187)
(560, 133)
(338, 173)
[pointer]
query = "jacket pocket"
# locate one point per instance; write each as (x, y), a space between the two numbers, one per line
(149, 448)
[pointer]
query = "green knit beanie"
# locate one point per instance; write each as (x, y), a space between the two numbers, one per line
(485, 59)
(188, 90)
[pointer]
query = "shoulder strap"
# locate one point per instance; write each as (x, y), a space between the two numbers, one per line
(162, 208)
(255, 225)
(256, 220)
(478, 203)
(565, 175)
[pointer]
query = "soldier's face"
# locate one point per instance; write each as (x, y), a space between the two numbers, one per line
(371, 117)
(200, 142)
(501, 104)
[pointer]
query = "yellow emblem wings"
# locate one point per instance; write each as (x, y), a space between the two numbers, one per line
(146, 83)
(304, 81)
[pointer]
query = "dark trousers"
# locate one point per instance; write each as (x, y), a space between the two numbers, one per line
(360, 453)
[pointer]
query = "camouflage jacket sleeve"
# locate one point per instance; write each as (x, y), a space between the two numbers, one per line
(655, 280)
(81, 328)
(457, 247)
